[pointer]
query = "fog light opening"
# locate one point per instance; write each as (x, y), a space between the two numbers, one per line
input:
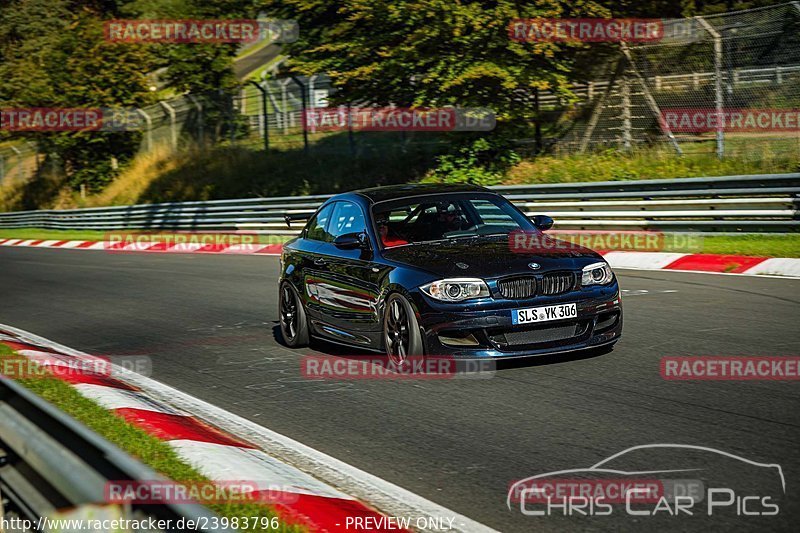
(455, 338)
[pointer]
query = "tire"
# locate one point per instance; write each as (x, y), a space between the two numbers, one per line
(401, 334)
(292, 316)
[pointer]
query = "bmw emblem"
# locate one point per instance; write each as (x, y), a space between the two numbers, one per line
(462, 266)
(534, 266)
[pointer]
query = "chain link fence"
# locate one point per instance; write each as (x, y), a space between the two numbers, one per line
(267, 114)
(712, 67)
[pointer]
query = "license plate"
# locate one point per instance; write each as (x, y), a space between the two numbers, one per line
(544, 314)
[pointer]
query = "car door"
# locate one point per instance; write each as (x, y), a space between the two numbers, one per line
(346, 282)
(302, 258)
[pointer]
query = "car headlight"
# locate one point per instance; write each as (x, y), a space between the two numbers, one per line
(456, 290)
(596, 274)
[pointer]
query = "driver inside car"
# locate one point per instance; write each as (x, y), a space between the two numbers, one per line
(382, 221)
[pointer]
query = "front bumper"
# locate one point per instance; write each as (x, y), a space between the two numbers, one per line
(472, 332)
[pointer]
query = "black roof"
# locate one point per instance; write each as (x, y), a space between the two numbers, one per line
(393, 192)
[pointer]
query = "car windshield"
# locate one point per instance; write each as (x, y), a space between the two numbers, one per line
(435, 218)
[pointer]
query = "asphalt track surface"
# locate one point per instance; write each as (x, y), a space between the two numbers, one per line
(245, 66)
(209, 324)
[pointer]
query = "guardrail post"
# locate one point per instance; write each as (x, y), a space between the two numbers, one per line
(717, 83)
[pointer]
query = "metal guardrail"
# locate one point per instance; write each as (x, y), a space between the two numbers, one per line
(49, 462)
(755, 203)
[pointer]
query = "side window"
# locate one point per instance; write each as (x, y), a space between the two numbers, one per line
(347, 218)
(317, 226)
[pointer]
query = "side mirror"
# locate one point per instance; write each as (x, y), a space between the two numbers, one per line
(350, 241)
(543, 222)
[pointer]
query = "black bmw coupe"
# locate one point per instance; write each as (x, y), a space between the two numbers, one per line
(417, 270)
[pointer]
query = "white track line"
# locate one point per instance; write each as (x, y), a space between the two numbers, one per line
(383, 495)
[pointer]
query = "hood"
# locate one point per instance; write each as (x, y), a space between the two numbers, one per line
(491, 257)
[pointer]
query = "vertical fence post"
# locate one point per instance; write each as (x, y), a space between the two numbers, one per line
(285, 104)
(173, 123)
(537, 125)
(264, 113)
(148, 137)
(718, 94)
(199, 106)
(276, 108)
(350, 137)
(627, 136)
(19, 161)
(304, 103)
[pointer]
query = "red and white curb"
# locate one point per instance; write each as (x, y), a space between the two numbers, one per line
(719, 264)
(163, 247)
(679, 262)
(225, 447)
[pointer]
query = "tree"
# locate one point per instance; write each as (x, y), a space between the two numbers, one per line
(54, 55)
(433, 53)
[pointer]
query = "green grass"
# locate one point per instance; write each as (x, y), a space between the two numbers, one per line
(650, 164)
(151, 451)
(52, 234)
(756, 245)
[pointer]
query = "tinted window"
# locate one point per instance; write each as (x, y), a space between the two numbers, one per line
(446, 217)
(317, 226)
(347, 218)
